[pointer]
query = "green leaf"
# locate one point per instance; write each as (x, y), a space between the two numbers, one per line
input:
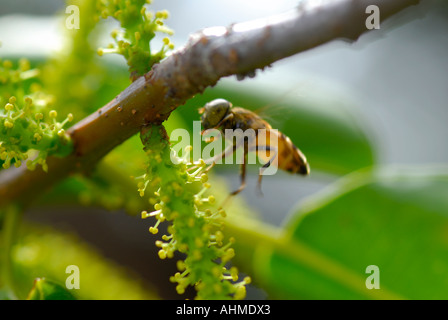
(44, 289)
(46, 253)
(328, 130)
(396, 220)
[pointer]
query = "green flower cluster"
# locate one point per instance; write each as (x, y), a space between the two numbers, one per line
(27, 121)
(73, 74)
(138, 28)
(196, 228)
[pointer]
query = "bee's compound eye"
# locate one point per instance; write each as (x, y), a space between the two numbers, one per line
(217, 104)
(214, 112)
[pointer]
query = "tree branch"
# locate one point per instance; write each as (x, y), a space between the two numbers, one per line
(210, 54)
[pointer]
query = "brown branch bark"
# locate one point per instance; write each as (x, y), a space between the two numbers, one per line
(210, 54)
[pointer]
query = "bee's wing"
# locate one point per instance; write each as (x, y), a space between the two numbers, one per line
(273, 113)
(250, 119)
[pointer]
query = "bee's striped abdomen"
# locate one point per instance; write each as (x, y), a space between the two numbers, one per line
(279, 150)
(291, 159)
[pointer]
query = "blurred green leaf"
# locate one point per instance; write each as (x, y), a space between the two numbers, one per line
(328, 130)
(44, 289)
(46, 253)
(394, 219)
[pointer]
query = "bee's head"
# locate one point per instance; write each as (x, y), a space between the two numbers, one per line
(213, 112)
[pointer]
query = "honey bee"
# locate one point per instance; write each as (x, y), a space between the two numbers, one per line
(277, 148)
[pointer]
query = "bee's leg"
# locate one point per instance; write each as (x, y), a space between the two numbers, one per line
(243, 173)
(226, 118)
(227, 152)
(208, 140)
(266, 165)
(220, 123)
(259, 191)
(209, 167)
(243, 177)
